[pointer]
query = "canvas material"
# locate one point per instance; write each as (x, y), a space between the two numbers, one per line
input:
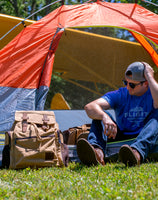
(34, 147)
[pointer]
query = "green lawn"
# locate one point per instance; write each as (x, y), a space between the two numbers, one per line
(113, 181)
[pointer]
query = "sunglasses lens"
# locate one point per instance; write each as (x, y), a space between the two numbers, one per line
(132, 85)
(124, 82)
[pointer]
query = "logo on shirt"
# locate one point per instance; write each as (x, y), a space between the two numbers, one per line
(135, 116)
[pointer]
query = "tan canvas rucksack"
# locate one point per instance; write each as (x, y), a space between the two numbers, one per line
(35, 141)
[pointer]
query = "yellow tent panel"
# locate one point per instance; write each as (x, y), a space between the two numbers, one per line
(8, 22)
(59, 103)
(96, 58)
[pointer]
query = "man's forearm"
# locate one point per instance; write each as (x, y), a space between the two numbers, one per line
(95, 112)
(154, 89)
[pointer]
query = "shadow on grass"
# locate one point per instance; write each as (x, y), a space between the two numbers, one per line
(78, 167)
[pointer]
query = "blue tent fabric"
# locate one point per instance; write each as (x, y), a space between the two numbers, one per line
(12, 99)
(71, 118)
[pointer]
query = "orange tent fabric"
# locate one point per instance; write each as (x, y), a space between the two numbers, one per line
(27, 61)
(147, 46)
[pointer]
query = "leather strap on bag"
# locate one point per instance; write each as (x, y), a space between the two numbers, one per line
(24, 122)
(45, 122)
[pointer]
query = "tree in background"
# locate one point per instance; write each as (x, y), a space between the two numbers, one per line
(23, 8)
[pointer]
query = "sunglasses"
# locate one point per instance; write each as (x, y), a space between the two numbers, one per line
(132, 85)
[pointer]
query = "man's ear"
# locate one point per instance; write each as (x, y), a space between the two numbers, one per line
(146, 83)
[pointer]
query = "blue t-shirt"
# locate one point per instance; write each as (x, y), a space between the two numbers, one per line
(130, 110)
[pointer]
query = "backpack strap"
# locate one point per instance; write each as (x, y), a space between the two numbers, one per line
(45, 122)
(24, 122)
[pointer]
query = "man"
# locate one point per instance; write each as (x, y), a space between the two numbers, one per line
(136, 109)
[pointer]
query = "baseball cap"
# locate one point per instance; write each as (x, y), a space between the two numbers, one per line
(135, 72)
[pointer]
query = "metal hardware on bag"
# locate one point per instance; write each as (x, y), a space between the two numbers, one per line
(24, 122)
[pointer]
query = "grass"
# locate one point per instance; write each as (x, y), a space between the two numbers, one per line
(113, 181)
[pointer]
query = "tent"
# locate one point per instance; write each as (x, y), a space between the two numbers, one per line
(7, 24)
(26, 63)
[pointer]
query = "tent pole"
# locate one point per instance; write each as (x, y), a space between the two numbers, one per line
(22, 22)
(150, 2)
(96, 86)
(78, 84)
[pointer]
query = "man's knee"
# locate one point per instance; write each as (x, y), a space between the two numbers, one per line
(152, 115)
(153, 122)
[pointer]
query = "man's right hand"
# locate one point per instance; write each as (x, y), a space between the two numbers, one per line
(148, 71)
(95, 110)
(110, 127)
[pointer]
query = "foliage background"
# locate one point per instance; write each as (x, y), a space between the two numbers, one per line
(23, 8)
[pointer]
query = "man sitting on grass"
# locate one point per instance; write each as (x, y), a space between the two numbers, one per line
(136, 109)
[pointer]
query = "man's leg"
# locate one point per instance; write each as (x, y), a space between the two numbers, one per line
(91, 152)
(96, 136)
(147, 140)
(145, 143)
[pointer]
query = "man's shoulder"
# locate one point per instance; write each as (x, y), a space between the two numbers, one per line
(116, 96)
(121, 91)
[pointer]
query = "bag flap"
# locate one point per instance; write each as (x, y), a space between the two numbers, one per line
(37, 117)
